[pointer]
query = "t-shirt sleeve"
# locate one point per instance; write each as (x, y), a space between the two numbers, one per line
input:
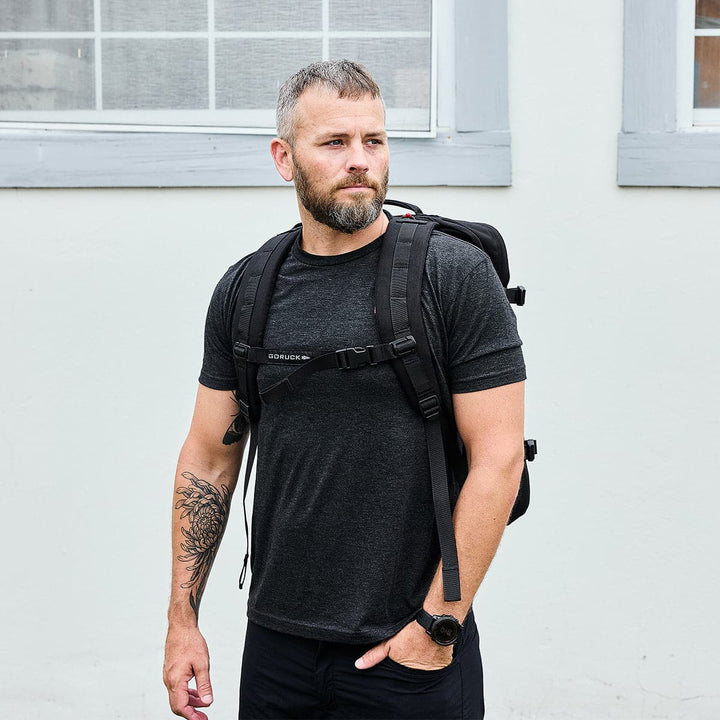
(218, 367)
(484, 348)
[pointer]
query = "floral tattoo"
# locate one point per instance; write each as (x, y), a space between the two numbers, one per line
(206, 506)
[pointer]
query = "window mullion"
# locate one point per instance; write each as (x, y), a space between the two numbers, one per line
(211, 55)
(97, 26)
(325, 29)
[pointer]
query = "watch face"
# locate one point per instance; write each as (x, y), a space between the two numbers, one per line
(445, 631)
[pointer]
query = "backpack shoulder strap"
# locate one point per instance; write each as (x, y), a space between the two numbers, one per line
(248, 327)
(398, 312)
(250, 315)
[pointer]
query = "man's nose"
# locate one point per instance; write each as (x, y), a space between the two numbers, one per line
(357, 158)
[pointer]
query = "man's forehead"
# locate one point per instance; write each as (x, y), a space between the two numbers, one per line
(319, 103)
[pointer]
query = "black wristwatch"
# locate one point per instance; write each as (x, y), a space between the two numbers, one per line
(443, 629)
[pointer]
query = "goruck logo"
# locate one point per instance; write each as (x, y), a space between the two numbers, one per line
(291, 357)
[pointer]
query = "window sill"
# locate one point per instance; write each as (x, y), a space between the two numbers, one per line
(44, 159)
(669, 159)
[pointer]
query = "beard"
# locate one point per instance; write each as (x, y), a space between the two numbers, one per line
(348, 217)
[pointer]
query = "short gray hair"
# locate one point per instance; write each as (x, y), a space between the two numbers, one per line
(350, 79)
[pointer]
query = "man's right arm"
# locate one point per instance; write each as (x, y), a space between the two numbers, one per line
(206, 477)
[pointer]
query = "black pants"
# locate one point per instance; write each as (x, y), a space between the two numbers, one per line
(286, 676)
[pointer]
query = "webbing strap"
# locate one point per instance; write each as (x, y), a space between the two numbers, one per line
(248, 470)
(443, 514)
(405, 282)
(344, 359)
(249, 318)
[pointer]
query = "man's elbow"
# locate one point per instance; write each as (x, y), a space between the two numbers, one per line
(497, 473)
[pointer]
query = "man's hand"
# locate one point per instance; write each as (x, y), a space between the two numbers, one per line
(186, 656)
(411, 647)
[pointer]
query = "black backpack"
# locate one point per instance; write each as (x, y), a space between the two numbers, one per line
(404, 344)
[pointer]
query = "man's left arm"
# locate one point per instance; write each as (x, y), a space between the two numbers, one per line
(490, 423)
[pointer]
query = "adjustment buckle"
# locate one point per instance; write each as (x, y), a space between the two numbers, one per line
(403, 346)
(351, 358)
(429, 407)
(241, 351)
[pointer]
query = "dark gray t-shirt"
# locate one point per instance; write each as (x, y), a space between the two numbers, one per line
(343, 539)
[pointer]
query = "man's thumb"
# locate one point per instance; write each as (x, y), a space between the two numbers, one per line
(204, 688)
(372, 657)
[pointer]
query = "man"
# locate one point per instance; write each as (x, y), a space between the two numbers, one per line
(344, 550)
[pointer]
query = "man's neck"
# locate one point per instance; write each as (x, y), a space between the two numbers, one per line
(319, 239)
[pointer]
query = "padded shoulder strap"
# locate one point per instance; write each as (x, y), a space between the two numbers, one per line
(399, 314)
(251, 310)
(397, 304)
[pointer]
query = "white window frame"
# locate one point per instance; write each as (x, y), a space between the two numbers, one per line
(476, 152)
(689, 117)
(658, 144)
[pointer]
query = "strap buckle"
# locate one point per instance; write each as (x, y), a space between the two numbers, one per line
(241, 351)
(429, 406)
(351, 358)
(403, 346)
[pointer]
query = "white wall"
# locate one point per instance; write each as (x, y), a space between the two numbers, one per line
(603, 600)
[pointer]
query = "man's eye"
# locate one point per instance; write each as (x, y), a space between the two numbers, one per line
(375, 141)
(335, 142)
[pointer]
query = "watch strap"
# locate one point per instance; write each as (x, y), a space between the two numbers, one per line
(425, 619)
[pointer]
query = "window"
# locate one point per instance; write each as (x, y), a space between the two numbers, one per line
(465, 142)
(211, 63)
(699, 64)
(671, 108)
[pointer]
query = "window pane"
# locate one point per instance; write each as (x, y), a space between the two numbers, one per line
(707, 72)
(45, 15)
(707, 13)
(375, 15)
(251, 15)
(168, 15)
(155, 74)
(249, 72)
(47, 75)
(401, 67)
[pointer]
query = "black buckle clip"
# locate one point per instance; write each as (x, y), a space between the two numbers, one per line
(351, 358)
(241, 351)
(429, 407)
(403, 346)
(530, 450)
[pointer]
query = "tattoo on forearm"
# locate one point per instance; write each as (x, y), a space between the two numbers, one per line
(238, 427)
(236, 431)
(207, 507)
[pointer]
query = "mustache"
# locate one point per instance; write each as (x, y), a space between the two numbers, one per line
(358, 179)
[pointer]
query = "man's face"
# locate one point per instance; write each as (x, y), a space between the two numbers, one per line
(340, 158)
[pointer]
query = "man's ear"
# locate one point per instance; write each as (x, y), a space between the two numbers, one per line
(282, 155)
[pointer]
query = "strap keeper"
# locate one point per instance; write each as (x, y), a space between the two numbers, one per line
(243, 407)
(403, 346)
(429, 406)
(451, 584)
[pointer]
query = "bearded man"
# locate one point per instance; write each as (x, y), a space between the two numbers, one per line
(346, 571)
